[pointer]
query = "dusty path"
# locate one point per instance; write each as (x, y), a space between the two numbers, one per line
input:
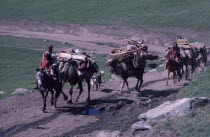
(21, 115)
(94, 38)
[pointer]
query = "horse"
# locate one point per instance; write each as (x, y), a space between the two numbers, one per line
(47, 81)
(172, 66)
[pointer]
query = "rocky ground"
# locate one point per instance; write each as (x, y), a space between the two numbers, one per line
(20, 115)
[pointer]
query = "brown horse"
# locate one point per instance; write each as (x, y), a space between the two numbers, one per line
(172, 66)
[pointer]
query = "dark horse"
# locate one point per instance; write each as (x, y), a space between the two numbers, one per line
(47, 81)
(129, 68)
(69, 74)
(173, 66)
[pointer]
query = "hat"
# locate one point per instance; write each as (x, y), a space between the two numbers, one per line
(50, 47)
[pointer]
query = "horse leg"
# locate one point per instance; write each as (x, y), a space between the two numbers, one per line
(174, 77)
(168, 77)
(80, 91)
(179, 75)
(70, 92)
(44, 101)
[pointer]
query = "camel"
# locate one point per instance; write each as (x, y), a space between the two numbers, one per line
(202, 57)
(69, 74)
(184, 62)
(48, 81)
(193, 55)
(129, 68)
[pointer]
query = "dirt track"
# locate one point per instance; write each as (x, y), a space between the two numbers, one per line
(21, 115)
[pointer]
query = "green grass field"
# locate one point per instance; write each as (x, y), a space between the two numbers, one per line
(196, 124)
(137, 13)
(19, 58)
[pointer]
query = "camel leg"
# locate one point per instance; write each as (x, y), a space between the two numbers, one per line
(186, 71)
(137, 87)
(57, 93)
(52, 97)
(80, 91)
(88, 84)
(122, 86)
(99, 86)
(70, 92)
(65, 97)
(141, 82)
(44, 101)
(127, 86)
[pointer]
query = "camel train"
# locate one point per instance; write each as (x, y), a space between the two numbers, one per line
(127, 60)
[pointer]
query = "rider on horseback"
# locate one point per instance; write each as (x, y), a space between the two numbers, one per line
(175, 52)
(46, 63)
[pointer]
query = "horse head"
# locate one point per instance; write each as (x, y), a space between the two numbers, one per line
(41, 77)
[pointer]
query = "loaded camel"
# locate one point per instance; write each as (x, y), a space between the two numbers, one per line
(131, 65)
(69, 73)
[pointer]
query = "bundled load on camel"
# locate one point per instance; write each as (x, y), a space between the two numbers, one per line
(197, 45)
(125, 48)
(183, 41)
(70, 54)
(79, 57)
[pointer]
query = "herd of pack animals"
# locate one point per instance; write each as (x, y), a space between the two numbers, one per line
(126, 65)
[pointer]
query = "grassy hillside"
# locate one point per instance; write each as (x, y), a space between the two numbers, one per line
(197, 123)
(138, 13)
(19, 58)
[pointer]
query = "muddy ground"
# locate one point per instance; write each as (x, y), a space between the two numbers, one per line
(21, 115)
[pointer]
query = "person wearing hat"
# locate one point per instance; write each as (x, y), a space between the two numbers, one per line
(46, 61)
(175, 53)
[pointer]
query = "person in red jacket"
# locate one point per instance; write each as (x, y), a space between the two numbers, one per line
(46, 61)
(175, 53)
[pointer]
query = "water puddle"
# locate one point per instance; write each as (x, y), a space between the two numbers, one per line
(90, 111)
